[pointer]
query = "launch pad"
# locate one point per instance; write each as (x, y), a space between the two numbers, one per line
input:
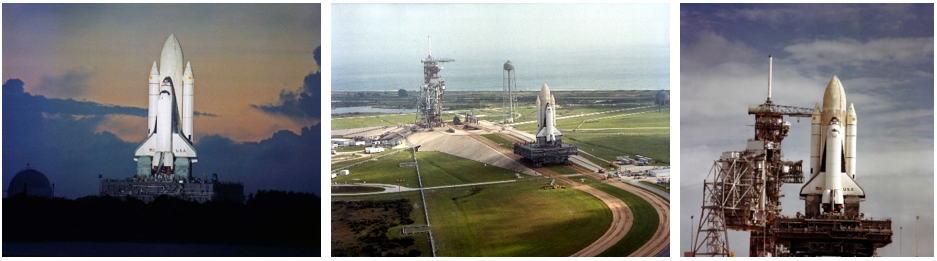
(831, 236)
(549, 147)
(546, 155)
(148, 189)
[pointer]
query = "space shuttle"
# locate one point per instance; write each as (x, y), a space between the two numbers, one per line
(832, 186)
(168, 150)
(546, 117)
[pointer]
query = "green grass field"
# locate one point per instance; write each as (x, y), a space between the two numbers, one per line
(645, 220)
(355, 189)
(517, 220)
(501, 141)
(560, 169)
(608, 147)
(662, 187)
(649, 119)
(441, 169)
(384, 170)
(358, 157)
(436, 168)
(618, 121)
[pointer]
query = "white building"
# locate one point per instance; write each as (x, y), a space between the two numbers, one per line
(343, 142)
(659, 173)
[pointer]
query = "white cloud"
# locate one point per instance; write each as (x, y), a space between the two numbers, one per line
(850, 52)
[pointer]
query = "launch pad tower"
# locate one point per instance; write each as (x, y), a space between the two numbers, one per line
(429, 111)
(742, 190)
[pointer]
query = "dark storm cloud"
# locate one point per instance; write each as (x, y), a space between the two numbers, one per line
(69, 151)
(198, 113)
(285, 161)
(302, 104)
(15, 99)
(66, 149)
(70, 84)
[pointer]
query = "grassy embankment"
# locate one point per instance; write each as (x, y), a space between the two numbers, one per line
(519, 219)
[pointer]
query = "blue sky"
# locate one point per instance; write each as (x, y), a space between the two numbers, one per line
(883, 54)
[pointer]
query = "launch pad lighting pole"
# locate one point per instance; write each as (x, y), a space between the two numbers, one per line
(900, 230)
(916, 220)
(691, 233)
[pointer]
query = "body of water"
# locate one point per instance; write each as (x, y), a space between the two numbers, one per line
(367, 109)
(625, 70)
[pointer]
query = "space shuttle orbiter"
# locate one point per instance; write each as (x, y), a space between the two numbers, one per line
(168, 148)
(546, 117)
(832, 186)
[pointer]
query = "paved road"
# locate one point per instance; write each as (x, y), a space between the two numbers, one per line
(664, 253)
(390, 188)
(661, 238)
(655, 190)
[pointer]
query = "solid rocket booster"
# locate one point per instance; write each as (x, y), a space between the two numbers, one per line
(546, 115)
(168, 148)
(851, 142)
(815, 140)
(188, 83)
(833, 151)
(154, 98)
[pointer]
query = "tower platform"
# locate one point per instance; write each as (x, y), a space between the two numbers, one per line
(149, 189)
(539, 155)
(832, 236)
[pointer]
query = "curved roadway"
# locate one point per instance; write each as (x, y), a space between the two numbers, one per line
(658, 243)
(622, 217)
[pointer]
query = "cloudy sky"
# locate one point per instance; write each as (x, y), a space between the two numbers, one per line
(884, 56)
(544, 41)
(464, 30)
(75, 89)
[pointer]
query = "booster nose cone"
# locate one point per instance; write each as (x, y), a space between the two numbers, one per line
(188, 71)
(154, 70)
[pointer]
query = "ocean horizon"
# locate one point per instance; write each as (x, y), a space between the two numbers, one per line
(569, 72)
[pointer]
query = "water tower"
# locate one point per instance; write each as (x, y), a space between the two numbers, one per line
(509, 89)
